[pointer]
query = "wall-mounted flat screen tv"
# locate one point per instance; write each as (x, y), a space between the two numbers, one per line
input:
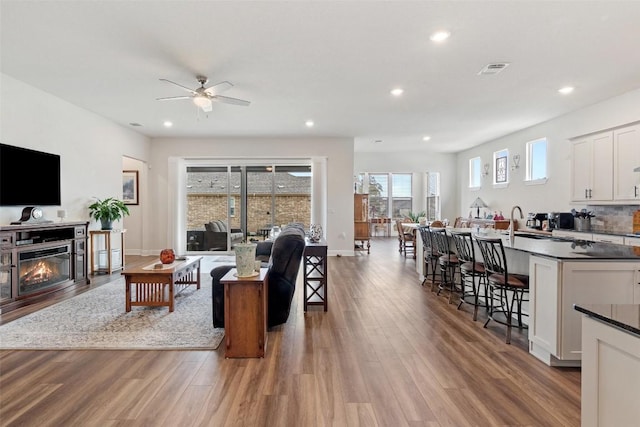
(28, 177)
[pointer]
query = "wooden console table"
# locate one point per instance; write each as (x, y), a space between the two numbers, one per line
(155, 287)
(245, 314)
(315, 274)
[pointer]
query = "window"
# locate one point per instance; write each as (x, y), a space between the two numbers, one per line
(379, 195)
(500, 172)
(475, 172)
(537, 160)
(401, 200)
(390, 194)
(433, 196)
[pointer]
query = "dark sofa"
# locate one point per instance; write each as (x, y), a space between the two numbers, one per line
(215, 235)
(284, 263)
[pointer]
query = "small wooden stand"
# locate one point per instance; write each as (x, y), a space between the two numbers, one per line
(245, 314)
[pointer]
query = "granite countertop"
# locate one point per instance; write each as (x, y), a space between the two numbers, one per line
(564, 249)
(623, 316)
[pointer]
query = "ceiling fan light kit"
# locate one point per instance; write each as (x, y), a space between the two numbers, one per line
(203, 97)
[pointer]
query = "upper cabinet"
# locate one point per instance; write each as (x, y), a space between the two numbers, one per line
(593, 168)
(603, 164)
(626, 157)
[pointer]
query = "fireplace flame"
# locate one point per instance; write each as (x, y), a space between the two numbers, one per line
(40, 272)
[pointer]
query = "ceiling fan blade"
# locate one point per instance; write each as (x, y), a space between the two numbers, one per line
(219, 88)
(180, 86)
(173, 98)
(228, 100)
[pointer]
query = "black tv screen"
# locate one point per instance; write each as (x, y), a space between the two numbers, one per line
(28, 177)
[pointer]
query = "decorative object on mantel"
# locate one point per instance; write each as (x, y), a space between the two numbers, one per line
(478, 203)
(108, 210)
(245, 259)
(167, 256)
(315, 233)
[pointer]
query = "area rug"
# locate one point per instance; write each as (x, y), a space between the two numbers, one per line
(97, 320)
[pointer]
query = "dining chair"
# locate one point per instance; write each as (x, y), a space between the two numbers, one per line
(472, 272)
(507, 289)
(407, 239)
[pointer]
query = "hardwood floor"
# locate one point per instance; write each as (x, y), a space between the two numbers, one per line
(388, 352)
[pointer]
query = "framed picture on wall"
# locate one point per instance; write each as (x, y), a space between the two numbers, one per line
(130, 187)
(501, 169)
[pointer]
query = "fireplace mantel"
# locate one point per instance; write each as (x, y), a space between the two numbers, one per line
(25, 247)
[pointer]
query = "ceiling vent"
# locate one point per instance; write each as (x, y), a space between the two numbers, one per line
(493, 68)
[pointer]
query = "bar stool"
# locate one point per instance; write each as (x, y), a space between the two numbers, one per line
(472, 273)
(430, 253)
(447, 261)
(507, 289)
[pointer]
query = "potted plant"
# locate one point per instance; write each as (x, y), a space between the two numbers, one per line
(415, 216)
(108, 210)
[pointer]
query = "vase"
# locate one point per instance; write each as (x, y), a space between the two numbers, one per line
(315, 233)
(245, 258)
(106, 224)
(167, 256)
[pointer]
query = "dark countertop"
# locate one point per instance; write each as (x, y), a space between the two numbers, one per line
(623, 316)
(565, 249)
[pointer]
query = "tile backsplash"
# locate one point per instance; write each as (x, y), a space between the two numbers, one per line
(613, 219)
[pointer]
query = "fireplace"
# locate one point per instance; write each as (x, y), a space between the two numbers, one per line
(43, 268)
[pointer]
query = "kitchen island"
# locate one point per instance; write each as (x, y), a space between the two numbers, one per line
(563, 273)
(610, 364)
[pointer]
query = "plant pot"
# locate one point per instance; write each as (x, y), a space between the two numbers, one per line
(106, 224)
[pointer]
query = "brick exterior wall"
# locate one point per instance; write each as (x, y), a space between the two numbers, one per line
(203, 208)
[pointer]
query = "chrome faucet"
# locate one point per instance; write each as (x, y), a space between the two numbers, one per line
(512, 224)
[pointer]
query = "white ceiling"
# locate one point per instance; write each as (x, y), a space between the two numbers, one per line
(332, 62)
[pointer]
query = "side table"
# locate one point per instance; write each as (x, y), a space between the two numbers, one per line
(109, 265)
(245, 314)
(315, 273)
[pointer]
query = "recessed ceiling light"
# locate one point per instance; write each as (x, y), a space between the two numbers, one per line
(309, 123)
(426, 138)
(168, 124)
(397, 92)
(440, 36)
(566, 90)
(135, 124)
(377, 141)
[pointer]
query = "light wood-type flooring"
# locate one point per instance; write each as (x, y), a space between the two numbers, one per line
(388, 352)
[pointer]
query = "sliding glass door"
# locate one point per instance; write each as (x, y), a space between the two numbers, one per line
(229, 204)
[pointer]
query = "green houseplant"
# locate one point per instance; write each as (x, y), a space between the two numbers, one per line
(108, 210)
(415, 216)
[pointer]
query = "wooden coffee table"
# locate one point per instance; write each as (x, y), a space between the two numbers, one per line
(156, 287)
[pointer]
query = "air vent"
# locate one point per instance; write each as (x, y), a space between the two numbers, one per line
(493, 68)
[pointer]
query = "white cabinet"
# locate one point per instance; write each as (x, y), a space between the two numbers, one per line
(632, 241)
(555, 286)
(592, 166)
(610, 373)
(626, 157)
(575, 235)
(607, 238)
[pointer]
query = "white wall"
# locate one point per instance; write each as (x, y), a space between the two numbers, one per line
(418, 163)
(339, 193)
(134, 222)
(90, 147)
(555, 195)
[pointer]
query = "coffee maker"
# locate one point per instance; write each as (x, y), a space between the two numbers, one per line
(534, 220)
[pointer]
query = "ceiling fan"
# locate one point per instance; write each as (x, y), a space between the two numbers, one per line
(203, 97)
